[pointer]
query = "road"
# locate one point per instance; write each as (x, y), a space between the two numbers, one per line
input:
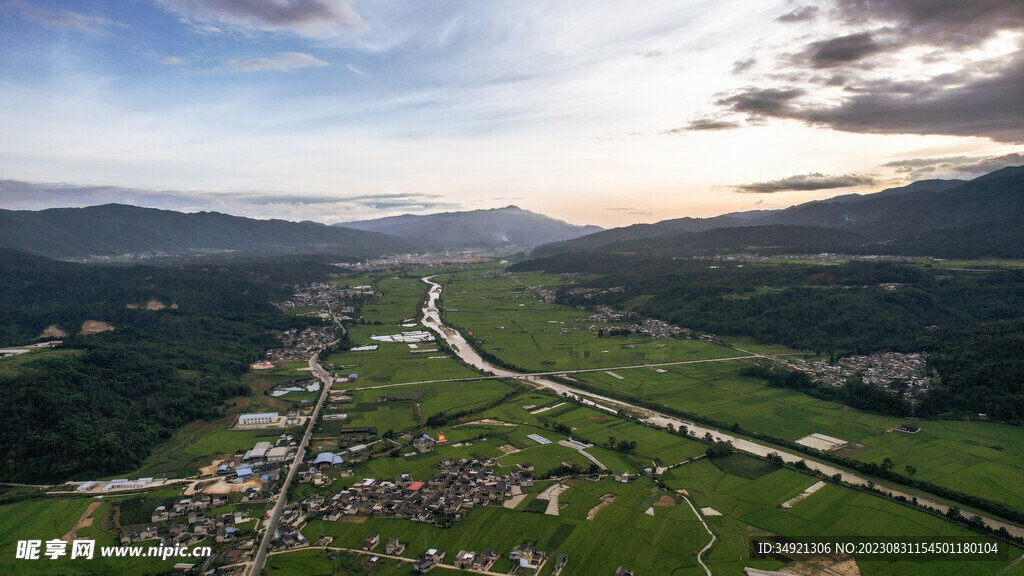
(432, 320)
(260, 559)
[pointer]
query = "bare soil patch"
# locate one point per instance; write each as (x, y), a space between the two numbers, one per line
(665, 501)
(850, 450)
(95, 327)
(210, 470)
(823, 566)
(596, 418)
(52, 331)
(84, 521)
(353, 519)
(605, 501)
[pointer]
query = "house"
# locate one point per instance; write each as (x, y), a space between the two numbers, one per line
(464, 560)
(423, 566)
(371, 542)
(527, 556)
(394, 547)
(623, 571)
(485, 559)
(561, 561)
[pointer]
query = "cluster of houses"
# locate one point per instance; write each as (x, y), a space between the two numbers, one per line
(883, 369)
(446, 496)
(193, 523)
(300, 345)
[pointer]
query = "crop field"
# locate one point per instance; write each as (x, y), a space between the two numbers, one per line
(515, 325)
(715, 389)
(979, 458)
(316, 562)
(667, 539)
(52, 518)
(394, 362)
(400, 300)
(749, 508)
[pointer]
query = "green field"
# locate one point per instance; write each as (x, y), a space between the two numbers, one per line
(394, 362)
(49, 519)
(749, 508)
(515, 325)
(660, 544)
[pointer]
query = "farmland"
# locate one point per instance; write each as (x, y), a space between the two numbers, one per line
(515, 325)
(749, 508)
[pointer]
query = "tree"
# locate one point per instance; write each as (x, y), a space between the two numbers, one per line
(887, 464)
(910, 470)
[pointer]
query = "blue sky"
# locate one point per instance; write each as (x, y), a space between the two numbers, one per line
(594, 112)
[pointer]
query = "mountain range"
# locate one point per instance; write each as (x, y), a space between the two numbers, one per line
(945, 218)
(495, 228)
(115, 229)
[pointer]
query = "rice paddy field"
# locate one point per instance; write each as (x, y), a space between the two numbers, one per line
(516, 325)
(750, 510)
(394, 362)
(52, 518)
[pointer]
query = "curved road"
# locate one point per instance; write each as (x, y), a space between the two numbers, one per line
(432, 320)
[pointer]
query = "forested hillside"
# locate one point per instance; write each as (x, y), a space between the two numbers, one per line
(97, 404)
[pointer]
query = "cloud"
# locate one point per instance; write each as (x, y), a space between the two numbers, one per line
(842, 50)
(801, 14)
(939, 22)
(806, 182)
(900, 67)
(19, 195)
(352, 68)
(649, 53)
(307, 18)
(948, 166)
(958, 104)
(704, 124)
(743, 64)
(282, 62)
(172, 60)
(70, 21)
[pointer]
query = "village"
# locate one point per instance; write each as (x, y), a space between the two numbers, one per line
(900, 373)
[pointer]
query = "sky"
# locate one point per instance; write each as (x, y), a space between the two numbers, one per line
(593, 112)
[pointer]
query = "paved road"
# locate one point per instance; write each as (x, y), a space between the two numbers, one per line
(432, 320)
(260, 559)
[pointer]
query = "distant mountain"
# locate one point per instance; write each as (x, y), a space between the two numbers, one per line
(495, 228)
(946, 218)
(114, 229)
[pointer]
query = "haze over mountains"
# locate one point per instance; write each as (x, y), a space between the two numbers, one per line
(945, 218)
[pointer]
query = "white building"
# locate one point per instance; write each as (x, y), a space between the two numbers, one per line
(261, 418)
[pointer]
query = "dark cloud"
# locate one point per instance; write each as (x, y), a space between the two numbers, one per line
(309, 18)
(704, 124)
(743, 64)
(950, 23)
(959, 104)
(842, 50)
(806, 182)
(991, 106)
(955, 165)
(763, 101)
(801, 14)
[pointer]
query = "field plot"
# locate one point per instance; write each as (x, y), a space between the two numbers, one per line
(447, 397)
(515, 325)
(394, 362)
(53, 518)
(715, 389)
(399, 300)
(980, 458)
(667, 541)
(750, 510)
